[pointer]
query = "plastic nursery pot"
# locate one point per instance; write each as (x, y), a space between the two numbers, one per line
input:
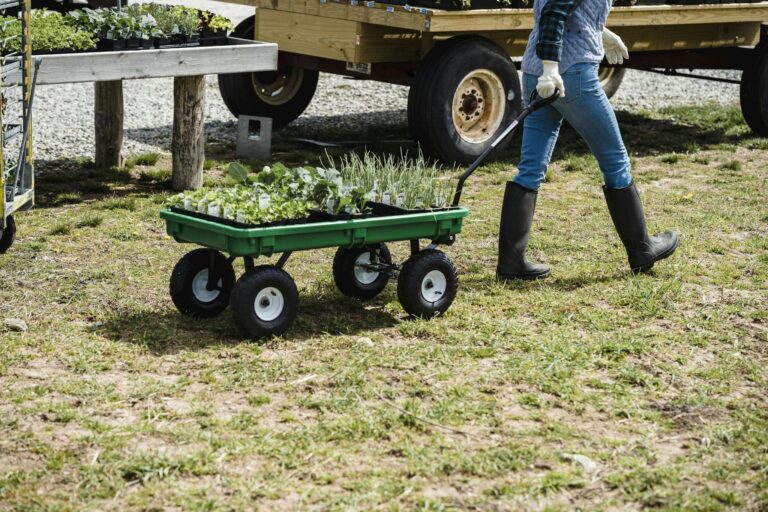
(133, 43)
(212, 37)
(148, 43)
(110, 45)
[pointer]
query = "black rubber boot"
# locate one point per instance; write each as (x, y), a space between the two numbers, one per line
(516, 217)
(629, 219)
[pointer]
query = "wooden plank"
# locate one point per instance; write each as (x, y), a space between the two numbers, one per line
(689, 37)
(393, 16)
(384, 44)
(650, 15)
(438, 21)
(309, 35)
(106, 66)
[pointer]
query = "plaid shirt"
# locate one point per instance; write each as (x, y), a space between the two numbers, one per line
(551, 27)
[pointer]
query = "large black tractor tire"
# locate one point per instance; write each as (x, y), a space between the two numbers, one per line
(754, 91)
(465, 92)
(610, 79)
(282, 95)
(8, 235)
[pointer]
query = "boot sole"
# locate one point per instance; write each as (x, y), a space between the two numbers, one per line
(666, 254)
(523, 277)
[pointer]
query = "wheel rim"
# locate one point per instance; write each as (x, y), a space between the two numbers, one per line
(433, 286)
(200, 290)
(269, 304)
(277, 87)
(604, 75)
(362, 274)
(479, 105)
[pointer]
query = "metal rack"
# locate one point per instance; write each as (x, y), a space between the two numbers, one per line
(17, 178)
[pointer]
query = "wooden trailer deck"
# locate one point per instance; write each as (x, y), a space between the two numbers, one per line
(371, 32)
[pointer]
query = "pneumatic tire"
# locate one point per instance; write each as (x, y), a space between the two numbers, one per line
(463, 98)
(282, 95)
(8, 235)
(753, 93)
(265, 302)
(427, 284)
(611, 79)
(189, 284)
(352, 279)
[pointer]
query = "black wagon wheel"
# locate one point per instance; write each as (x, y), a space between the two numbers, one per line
(7, 235)
(462, 98)
(264, 302)
(610, 79)
(353, 274)
(201, 283)
(754, 91)
(427, 284)
(281, 95)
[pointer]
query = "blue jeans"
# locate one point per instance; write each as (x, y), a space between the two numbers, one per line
(587, 110)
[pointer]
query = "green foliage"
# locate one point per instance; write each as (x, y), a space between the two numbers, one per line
(405, 182)
(215, 22)
(145, 21)
(280, 193)
(149, 158)
(50, 32)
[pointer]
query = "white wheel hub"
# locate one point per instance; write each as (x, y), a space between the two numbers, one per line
(363, 274)
(479, 104)
(200, 290)
(269, 304)
(433, 286)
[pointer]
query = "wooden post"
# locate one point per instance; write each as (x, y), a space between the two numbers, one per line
(188, 137)
(108, 123)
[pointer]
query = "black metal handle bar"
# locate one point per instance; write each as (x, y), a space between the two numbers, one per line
(535, 104)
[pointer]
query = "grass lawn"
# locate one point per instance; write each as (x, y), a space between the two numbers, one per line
(593, 389)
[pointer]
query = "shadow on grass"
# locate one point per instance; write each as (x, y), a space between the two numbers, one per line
(72, 181)
(169, 332)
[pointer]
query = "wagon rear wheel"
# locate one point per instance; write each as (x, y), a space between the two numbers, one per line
(282, 95)
(462, 97)
(201, 283)
(354, 274)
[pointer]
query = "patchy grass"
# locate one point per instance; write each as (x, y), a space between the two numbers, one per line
(143, 159)
(594, 389)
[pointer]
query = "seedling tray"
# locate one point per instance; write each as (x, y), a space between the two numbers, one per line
(188, 227)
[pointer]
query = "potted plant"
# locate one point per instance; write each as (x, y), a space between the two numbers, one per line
(213, 28)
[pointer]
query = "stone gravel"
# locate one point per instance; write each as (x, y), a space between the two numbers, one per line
(64, 125)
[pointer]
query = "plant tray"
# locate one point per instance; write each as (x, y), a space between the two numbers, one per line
(190, 227)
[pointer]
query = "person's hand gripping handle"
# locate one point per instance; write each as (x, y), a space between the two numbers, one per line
(615, 49)
(550, 80)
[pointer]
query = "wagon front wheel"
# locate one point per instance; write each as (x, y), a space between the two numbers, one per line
(427, 284)
(201, 283)
(355, 273)
(265, 302)
(7, 235)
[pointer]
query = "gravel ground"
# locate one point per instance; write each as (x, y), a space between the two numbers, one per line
(64, 113)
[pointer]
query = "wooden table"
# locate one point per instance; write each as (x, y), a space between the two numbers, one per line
(188, 66)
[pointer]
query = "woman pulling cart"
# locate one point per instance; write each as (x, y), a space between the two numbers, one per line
(566, 46)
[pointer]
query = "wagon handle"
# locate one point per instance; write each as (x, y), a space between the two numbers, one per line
(535, 104)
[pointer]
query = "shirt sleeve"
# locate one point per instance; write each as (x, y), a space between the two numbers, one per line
(551, 28)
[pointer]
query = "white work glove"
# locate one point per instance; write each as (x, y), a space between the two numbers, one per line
(615, 49)
(550, 80)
